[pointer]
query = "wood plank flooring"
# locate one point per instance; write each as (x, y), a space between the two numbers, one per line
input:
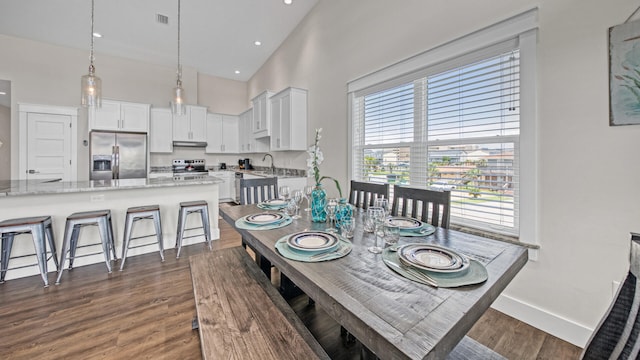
(145, 312)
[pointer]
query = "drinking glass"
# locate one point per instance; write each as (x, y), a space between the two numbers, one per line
(297, 199)
(330, 208)
(347, 228)
(384, 204)
(378, 216)
(284, 192)
(307, 195)
(290, 209)
(391, 234)
(369, 224)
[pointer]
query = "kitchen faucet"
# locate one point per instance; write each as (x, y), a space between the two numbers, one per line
(273, 168)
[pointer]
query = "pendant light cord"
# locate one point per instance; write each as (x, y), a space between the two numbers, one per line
(91, 67)
(179, 66)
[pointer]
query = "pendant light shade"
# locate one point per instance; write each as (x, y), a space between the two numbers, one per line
(178, 101)
(90, 84)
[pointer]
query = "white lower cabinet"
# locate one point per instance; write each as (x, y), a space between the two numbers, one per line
(226, 189)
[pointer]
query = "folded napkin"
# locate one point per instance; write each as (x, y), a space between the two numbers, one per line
(476, 272)
(241, 224)
(425, 230)
(343, 249)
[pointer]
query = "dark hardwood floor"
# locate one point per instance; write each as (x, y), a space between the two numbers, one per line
(145, 312)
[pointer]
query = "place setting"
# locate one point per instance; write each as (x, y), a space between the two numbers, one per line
(264, 221)
(410, 226)
(434, 265)
(313, 246)
(272, 204)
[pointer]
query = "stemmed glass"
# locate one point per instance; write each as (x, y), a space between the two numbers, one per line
(284, 192)
(378, 216)
(307, 194)
(384, 204)
(297, 199)
(330, 208)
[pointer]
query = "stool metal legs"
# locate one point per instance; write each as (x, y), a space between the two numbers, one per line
(41, 232)
(187, 208)
(141, 213)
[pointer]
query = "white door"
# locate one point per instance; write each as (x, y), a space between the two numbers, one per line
(48, 146)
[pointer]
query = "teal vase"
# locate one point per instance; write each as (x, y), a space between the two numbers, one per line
(344, 211)
(318, 201)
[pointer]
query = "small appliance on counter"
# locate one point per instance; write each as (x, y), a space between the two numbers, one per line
(189, 169)
(245, 164)
(223, 166)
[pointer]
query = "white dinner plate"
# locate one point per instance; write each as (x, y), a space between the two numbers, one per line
(274, 202)
(312, 241)
(404, 223)
(263, 218)
(432, 258)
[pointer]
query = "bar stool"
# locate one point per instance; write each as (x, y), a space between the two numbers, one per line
(189, 207)
(150, 212)
(39, 227)
(75, 221)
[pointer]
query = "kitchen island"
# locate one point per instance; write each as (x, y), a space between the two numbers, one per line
(59, 199)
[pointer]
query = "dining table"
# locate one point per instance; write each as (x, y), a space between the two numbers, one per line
(393, 316)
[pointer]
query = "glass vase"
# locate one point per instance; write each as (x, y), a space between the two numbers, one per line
(318, 201)
(344, 211)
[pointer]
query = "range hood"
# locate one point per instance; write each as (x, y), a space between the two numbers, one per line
(190, 143)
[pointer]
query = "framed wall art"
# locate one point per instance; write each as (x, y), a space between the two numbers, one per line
(624, 74)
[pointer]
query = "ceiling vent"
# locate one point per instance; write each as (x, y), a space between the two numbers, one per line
(162, 19)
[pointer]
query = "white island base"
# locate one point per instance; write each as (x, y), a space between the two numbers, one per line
(60, 200)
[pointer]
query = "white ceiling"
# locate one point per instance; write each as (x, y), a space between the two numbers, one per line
(217, 36)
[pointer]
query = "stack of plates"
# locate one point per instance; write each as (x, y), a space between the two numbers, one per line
(432, 258)
(274, 204)
(405, 223)
(264, 219)
(312, 241)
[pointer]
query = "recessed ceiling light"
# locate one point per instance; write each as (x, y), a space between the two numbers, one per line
(98, 35)
(257, 43)
(3, 93)
(237, 71)
(288, 2)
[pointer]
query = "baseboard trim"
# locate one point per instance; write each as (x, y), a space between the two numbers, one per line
(553, 324)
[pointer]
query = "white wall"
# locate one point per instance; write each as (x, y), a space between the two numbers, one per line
(588, 170)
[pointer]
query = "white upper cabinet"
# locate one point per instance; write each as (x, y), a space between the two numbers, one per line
(289, 120)
(192, 126)
(261, 115)
(222, 133)
(249, 144)
(120, 116)
(161, 131)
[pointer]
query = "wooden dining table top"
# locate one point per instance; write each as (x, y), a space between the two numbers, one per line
(392, 316)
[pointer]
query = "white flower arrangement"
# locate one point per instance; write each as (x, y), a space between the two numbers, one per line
(315, 159)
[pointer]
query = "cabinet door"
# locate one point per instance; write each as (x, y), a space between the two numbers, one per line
(198, 123)
(181, 127)
(161, 131)
(214, 134)
(262, 115)
(230, 133)
(107, 117)
(134, 117)
(284, 134)
(275, 123)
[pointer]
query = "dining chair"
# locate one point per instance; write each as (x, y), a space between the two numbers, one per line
(616, 337)
(430, 206)
(363, 194)
(253, 191)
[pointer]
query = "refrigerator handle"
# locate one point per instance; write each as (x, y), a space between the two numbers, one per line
(115, 151)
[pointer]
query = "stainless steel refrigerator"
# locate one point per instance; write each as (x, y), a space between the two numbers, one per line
(117, 155)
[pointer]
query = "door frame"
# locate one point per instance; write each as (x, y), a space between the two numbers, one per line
(23, 110)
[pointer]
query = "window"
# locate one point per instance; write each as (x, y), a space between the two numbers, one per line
(453, 125)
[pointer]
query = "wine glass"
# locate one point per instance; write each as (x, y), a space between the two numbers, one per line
(284, 192)
(384, 204)
(378, 216)
(307, 194)
(297, 199)
(330, 208)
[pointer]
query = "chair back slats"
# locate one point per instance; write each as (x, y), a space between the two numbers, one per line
(430, 206)
(616, 337)
(364, 194)
(253, 191)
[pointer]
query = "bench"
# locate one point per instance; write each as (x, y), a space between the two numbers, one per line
(240, 315)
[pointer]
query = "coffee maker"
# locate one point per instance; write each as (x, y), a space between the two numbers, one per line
(245, 164)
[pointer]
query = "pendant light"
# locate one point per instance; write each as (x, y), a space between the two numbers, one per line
(177, 103)
(90, 84)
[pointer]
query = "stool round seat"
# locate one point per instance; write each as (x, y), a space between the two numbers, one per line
(190, 207)
(75, 221)
(40, 227)
(134, 214)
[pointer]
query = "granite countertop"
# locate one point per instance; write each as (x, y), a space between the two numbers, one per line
(55, 186)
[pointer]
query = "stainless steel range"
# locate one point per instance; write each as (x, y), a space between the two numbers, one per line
(189, 169)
